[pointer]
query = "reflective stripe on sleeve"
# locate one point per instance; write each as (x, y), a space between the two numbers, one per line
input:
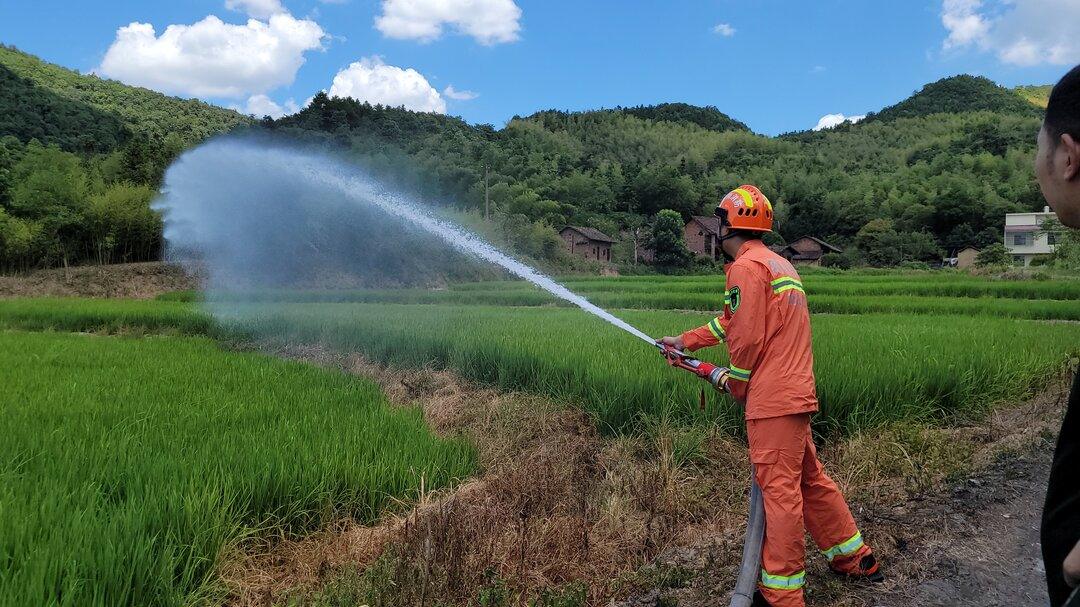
(716, 329)
(783, 582)
(851, 546)
(787, 283)
(740, 374)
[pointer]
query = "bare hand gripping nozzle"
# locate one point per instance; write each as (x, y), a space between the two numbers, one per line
(715, 375)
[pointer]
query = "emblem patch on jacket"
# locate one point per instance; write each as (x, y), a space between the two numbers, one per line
(736, 298)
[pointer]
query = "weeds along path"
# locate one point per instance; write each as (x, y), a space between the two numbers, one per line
(129, 466)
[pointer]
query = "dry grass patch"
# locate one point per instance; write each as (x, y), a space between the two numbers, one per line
(555, 506)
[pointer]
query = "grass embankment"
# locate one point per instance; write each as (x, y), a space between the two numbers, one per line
(129, 467)
(871, 369)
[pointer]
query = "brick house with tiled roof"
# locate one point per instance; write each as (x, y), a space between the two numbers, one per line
(588, 243)
(702, 235)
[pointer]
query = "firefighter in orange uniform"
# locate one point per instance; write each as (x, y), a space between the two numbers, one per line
(766, 325)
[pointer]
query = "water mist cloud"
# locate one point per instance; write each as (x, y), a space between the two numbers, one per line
(264, 221)
(258, 215)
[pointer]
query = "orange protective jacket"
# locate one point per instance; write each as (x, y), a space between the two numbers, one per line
(766, 325)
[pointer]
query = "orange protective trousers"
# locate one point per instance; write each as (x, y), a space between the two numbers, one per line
(798, 495)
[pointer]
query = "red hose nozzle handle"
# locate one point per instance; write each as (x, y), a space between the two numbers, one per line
(717, 376)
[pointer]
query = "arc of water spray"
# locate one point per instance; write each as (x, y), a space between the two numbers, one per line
(465, 242)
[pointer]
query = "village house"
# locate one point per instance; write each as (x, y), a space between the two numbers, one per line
(702, 235)
(1025, 238)
(588, 243)
(965, 258)
(807, 250)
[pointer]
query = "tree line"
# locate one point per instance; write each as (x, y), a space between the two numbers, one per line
(913, 183)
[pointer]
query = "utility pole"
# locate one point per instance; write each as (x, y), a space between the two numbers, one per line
(487, 199)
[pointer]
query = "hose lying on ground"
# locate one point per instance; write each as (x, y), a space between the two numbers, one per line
(749, 571)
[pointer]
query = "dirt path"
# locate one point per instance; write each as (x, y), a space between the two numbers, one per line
(976, 545)
(969, 541)
(987, 549)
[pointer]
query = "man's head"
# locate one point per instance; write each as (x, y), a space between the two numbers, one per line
(1057, 162)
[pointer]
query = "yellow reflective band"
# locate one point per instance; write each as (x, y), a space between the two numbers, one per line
(784, 278)
(787, 283)
(789, 288)
(783, 582)
(740, 374)
(850, 546)
(716, 329)
(747, 198)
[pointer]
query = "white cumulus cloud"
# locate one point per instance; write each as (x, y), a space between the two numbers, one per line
(373, 81)
(262, 105)
(963, 21)
(453, 93)
(828, 121)
(259, 9)
(1018, 32)
(488, 21)
(724, 29)
(212, 58)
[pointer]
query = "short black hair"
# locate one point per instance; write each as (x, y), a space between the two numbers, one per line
(1063, 108)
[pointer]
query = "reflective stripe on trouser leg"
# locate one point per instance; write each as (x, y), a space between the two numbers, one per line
(845, 548)
(783, 582)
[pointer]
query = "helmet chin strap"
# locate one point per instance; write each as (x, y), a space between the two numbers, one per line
(722, 214)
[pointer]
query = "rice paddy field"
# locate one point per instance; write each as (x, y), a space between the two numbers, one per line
(130, 466)
(143, 447)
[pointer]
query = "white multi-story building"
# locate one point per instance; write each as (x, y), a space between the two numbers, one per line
(1025, 238)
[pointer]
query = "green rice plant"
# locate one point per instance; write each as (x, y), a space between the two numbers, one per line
(870, 369)
(923, 366)
(1016, 289)
(104, 315)
(823, 299)
(1048, 309)
(130, 466)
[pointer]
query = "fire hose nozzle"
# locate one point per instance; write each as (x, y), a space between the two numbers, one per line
(717, 376)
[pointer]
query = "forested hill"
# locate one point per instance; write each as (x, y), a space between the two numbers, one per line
(960, 94)
(81, 113)
(80, 160)
(929, 175)
(707, 117)
(934, 173)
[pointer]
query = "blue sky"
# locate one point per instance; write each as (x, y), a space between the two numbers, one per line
(777, 65)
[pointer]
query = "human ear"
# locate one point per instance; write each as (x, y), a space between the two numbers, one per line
(1072, 156)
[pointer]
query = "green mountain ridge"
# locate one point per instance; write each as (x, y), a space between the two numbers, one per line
(44, 101)
(958, 94)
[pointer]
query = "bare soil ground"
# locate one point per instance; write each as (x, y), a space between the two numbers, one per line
(130, 280)
(658, 519)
